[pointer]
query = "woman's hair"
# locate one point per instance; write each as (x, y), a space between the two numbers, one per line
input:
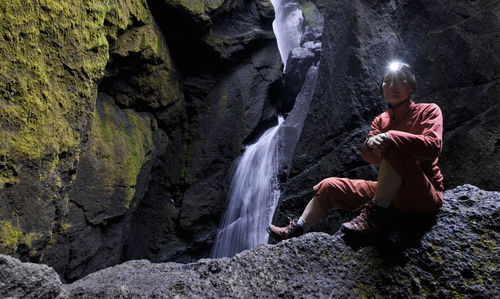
(399, 72)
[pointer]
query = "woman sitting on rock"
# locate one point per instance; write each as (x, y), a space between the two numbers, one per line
(405, 141)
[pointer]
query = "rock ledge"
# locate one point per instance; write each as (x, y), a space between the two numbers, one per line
(452, 254)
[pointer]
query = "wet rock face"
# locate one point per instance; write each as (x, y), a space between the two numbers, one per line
(448, 255)
(452, 54)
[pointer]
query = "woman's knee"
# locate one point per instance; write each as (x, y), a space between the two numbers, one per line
(326, 191)
(343, 193)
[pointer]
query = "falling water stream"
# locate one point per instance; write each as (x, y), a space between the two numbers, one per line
(253, 196)
(254, 190)
(287, 26)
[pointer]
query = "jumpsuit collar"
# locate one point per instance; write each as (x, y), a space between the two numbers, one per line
(399, 110)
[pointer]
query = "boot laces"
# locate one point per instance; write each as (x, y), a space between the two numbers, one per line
(367, 212)
(289, 227)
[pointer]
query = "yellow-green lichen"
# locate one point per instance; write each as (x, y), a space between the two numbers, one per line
(142, 39)
(65, 227)
(9, 237)
(195, 7)
(12, 235)
(52, 54)
(122, 141)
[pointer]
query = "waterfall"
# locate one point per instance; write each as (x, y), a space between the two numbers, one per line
(254, 191)
(288, 26)
(253, 196)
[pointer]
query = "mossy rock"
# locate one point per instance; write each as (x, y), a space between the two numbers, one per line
(53, 54)
(141, 71)
(11, 236)
(120, 144)
(195, 7)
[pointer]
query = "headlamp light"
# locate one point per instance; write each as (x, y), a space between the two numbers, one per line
(394, 66)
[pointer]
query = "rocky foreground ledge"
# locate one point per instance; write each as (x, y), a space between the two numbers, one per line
(455, 254)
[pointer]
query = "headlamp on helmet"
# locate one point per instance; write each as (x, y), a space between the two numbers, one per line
(399, 72)
(394, 66)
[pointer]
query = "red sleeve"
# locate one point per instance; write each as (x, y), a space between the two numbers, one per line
(367, 153)
(425, 146)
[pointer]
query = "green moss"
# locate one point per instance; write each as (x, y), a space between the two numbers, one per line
(122, 142)
(11, 236)
(52, 54)
(212, 4)
(38, 116)
(140, 40)
(29, 237)
(139, 141)
(195, 7)
(266, 3)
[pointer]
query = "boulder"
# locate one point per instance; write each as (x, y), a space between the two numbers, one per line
(28, 280)
(448, 255)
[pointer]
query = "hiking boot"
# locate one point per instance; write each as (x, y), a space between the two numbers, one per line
(370, 219)
(287, 232)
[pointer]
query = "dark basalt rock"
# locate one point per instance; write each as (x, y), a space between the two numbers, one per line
(299, 60)
(27, 280)
(451, 254)
(121, 121)
(141, 108)
(229, 66)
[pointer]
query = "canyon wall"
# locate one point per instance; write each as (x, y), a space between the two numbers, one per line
(121, 119)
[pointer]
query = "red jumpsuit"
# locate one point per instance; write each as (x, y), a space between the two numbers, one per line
(416, 132)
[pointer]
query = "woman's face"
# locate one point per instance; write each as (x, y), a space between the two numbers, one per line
(395, 91)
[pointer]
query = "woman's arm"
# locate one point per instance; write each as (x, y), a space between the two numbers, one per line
(367, 153)
(425, 146)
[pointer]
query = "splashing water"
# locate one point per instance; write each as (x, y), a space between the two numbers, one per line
(253, 197)
(287, 26)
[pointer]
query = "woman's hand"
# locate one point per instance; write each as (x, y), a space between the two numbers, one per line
(378, 143)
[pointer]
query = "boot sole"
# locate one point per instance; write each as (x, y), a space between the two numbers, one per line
(348, 230)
